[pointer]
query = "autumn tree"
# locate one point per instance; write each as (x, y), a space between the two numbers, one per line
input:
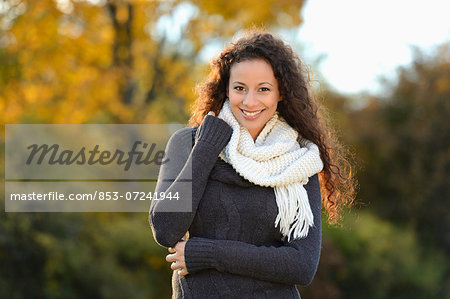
(116, 61)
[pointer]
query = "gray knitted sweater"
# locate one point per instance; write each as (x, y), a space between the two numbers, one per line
(233, 249)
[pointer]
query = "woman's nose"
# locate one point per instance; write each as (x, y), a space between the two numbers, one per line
(250, 99)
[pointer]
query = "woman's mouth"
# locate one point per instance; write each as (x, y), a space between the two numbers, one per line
(251, 114)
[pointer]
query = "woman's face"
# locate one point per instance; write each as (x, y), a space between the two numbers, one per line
(253, 93)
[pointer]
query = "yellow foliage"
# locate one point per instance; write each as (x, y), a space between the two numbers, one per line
(83, 63)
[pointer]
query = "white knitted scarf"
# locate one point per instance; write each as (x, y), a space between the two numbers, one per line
(278, 158)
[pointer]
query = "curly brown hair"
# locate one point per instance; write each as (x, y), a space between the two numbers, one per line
(298, 108)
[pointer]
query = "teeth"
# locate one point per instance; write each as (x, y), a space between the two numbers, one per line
(251, 113)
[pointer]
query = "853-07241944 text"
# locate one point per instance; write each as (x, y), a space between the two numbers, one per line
(97, 195)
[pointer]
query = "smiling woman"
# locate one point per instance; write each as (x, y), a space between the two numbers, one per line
(261, 157)
(253, 94)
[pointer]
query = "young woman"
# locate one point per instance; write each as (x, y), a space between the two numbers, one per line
(262, 164)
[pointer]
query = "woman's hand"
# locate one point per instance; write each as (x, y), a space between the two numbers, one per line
(209, 113)
(177, 258)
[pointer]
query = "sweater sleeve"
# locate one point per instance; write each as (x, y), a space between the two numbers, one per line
(294, 262)
(185, 162)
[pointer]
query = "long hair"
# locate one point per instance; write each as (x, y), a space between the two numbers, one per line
(298, 108)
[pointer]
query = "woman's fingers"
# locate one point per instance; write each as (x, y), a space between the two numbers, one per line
(174, 266)
(180, 246)
(170, 258)
(177, 258)
(183, 272)
(177, 266)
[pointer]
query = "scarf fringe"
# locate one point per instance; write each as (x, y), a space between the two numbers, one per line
(295, 215)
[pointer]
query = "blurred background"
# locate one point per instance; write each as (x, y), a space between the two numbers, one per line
(381, 68)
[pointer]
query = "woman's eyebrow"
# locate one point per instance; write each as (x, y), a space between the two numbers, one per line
(238, 82)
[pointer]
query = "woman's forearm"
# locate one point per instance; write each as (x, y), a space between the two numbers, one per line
(186, 175)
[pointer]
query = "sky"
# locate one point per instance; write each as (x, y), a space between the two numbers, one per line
(358, 40)
(361, 40)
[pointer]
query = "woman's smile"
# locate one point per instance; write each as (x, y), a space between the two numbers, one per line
(250, 115)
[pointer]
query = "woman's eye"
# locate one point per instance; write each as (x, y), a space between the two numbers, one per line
(241, 88)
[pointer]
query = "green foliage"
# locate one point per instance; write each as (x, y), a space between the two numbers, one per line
(74, 255)
(385, 261)
(377, 259)
(404, 142)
